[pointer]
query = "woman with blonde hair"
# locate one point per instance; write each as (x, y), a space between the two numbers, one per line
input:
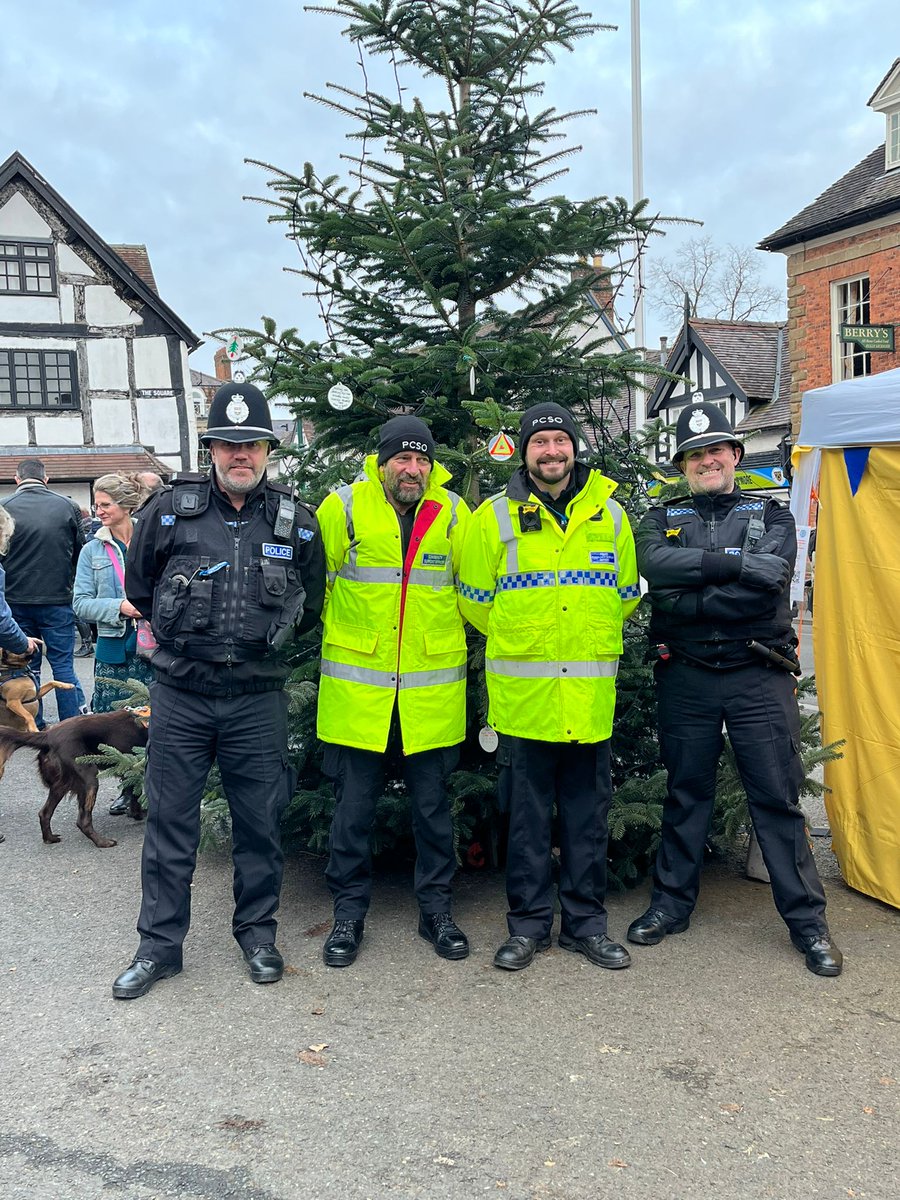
(11, 636)
(100, 597)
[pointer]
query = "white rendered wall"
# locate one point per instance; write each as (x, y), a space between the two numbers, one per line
(104, 308)
(19, 219)
(58, 431)
(43, 310)
(158, 424)
(151, 363)
(111, 417)
(70, 263)
(13, 431)
(107, 364)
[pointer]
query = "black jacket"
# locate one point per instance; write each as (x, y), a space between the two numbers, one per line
(40, 563)
(221, 587)
(689, 551)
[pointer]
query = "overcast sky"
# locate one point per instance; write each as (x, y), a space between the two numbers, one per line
(141, 113)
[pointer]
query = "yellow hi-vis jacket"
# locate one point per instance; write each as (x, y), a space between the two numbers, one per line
(552, 602)
(393, 630)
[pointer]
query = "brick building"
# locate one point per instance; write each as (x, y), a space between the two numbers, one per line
(843, 266)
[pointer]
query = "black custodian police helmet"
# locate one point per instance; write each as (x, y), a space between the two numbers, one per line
(239, 413)
(703, 424)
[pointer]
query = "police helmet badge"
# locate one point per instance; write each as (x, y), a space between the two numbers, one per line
(699, 421)
(237, 410)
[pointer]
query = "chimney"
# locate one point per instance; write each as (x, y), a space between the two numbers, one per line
(222, 365)
(663, 349)
(603, 290)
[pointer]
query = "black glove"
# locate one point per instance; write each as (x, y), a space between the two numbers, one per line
(767, 572)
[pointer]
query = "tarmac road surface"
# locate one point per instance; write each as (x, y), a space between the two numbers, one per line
(717, 1066)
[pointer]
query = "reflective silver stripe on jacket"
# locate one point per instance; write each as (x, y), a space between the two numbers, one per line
(616, 512)
(552, 670)
(369, 574)
(393, 575)
(346, 495)
(388, 679)
(507, 534)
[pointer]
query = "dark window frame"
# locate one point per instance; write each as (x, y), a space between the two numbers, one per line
(21, 258)
(46, 366)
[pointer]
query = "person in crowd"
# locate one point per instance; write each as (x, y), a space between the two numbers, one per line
(719, 565)
(100, 597)
(86, 646)
(548, 574)
(227, 566)
(393, 683)
(40, 571)
(149, 480)
(11, 636)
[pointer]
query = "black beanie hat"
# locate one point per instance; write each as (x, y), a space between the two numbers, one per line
(400, 435)
(541, 417)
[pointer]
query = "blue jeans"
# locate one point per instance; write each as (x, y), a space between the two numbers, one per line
(54, 624)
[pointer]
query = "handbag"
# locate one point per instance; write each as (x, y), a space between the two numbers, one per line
(146, 642)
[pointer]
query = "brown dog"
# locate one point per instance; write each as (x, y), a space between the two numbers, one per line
(61, 745)
(18, 694)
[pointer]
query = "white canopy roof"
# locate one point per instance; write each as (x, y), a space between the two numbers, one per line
(856, 412)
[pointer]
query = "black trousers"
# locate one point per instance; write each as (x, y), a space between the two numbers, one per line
(247, 735)
(576, 778)
(758, 707)
(358, 777)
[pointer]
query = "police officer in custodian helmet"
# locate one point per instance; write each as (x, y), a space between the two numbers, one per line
(719, 563)
(226, 566)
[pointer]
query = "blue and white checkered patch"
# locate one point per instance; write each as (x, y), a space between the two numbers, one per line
(750, 506)
(589, 578)
(681, 512)
(526, 579)
(306, 535)
(167, 519)
(632, 592)
(479, 595)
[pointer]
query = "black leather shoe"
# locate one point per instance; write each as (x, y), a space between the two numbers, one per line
(598, 949)
(342, 944)
(121, 805)
(654, 925)
(822, 955)
(265, 963)
(445, 935)
(140, 978)
(85, 650)
(518, 952)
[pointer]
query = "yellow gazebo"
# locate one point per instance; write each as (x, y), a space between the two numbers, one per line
(848, 453)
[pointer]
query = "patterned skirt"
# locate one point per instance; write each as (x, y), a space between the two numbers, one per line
(107, 675)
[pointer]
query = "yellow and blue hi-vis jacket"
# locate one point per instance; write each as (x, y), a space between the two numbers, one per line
(552, 601)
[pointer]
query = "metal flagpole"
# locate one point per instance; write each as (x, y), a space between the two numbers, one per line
(637, 165)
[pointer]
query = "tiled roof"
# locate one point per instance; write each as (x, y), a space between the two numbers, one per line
(201, 379)
(138, 259)
(750, 352)
(865, 192)
(82, 465)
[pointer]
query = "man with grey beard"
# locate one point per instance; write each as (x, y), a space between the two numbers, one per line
(226, 567)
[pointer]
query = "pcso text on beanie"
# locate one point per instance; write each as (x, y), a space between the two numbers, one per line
(703, 424)
(239, 413)
(404, 435)
(541, 417)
